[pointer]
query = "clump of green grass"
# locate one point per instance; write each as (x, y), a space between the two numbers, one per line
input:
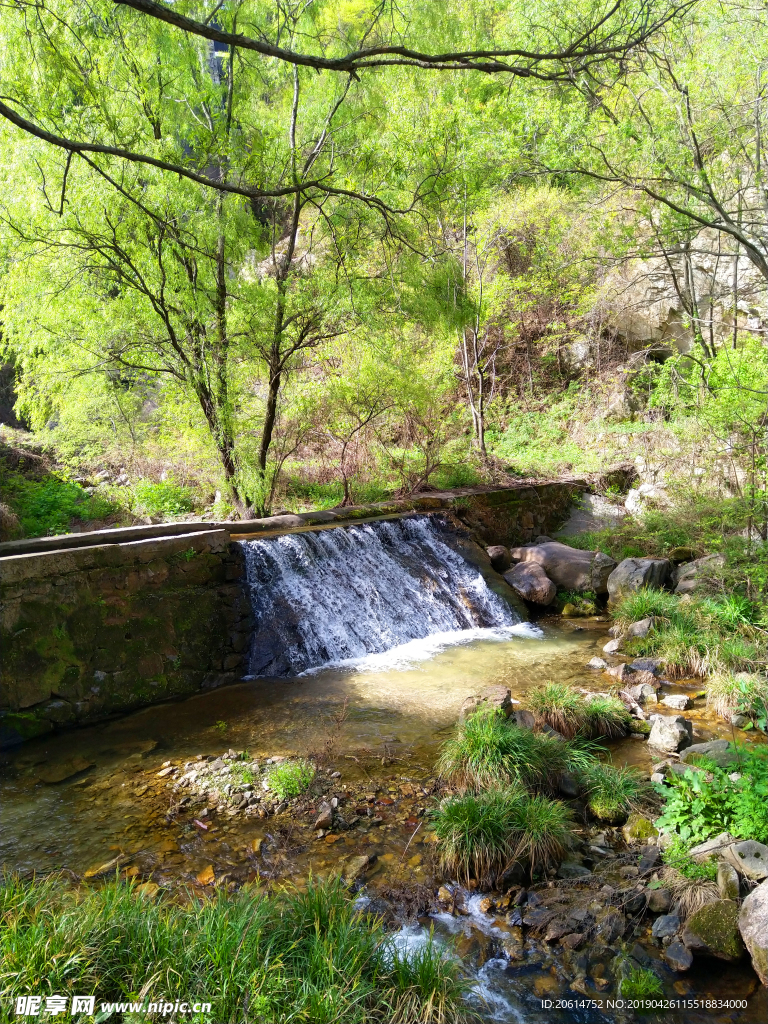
(605, 716)
(242, 774)
(695, 636)
(488, 750)
(573, 713)
(640, 983)
(544, 830)
(286, 955)
(613, 792)
(741, 693)
(478, 836)
(692, 885)
(291, 778)
(559, 706)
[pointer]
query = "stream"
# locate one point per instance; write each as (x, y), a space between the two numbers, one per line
(104, 798)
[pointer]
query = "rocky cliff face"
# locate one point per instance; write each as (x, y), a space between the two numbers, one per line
(647, 303)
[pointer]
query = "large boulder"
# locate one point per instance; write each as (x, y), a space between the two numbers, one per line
(499, 556)
(529, 581)
(569, 568)
(670, 734)
(635, 573)
(695, 575)
(714, 929)
(753, 925)
(749, 858)
(722, 752)
(711, 848)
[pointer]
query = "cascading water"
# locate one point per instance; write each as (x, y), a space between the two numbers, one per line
(339, 594)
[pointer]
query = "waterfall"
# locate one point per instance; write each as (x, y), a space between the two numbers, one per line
(332, 595)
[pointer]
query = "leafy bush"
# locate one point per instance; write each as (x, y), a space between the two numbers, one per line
(291, 778)
(676, 856)
(479, 835)
(613, 792)
(165, 498)
(488, 751)
(701, 804)
(48, 506)
(328, 962)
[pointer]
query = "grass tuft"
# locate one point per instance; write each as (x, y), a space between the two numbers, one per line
(613, 792)
(489, 751)
(696, 636)
(291, 778)
(479, 836)
(573, 713)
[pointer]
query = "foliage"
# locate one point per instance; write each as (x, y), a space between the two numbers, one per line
(326, 961)
(164, 498)
(290, 778)
(676, 856)
(51, 505)
(612, 792)
(544, 830)
(475, 834)
(479, 835)
(573, 713)
(640, 983)
(489, 751)
(702, 803)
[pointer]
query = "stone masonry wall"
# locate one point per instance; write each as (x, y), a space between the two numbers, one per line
(89, 632)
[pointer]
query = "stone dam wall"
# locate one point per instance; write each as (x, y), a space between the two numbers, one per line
(93, 625)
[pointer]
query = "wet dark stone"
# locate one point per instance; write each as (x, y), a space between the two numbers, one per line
(678, 956)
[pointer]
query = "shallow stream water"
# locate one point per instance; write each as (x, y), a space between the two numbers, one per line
(79, 800)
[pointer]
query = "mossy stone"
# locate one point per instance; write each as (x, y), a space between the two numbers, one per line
(714, 929)
(639, 828)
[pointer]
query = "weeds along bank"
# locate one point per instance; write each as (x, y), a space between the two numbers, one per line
(272, 956)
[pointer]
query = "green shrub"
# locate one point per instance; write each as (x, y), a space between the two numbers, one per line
(291, 778)
(676, 856)
(49, 506)
(701, 804)
(613, 792)
(280, 956)
(165, 498)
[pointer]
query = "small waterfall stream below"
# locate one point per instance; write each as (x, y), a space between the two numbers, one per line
(333, 596)
(367, 640)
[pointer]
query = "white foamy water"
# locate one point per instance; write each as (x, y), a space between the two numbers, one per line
(394, 590)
